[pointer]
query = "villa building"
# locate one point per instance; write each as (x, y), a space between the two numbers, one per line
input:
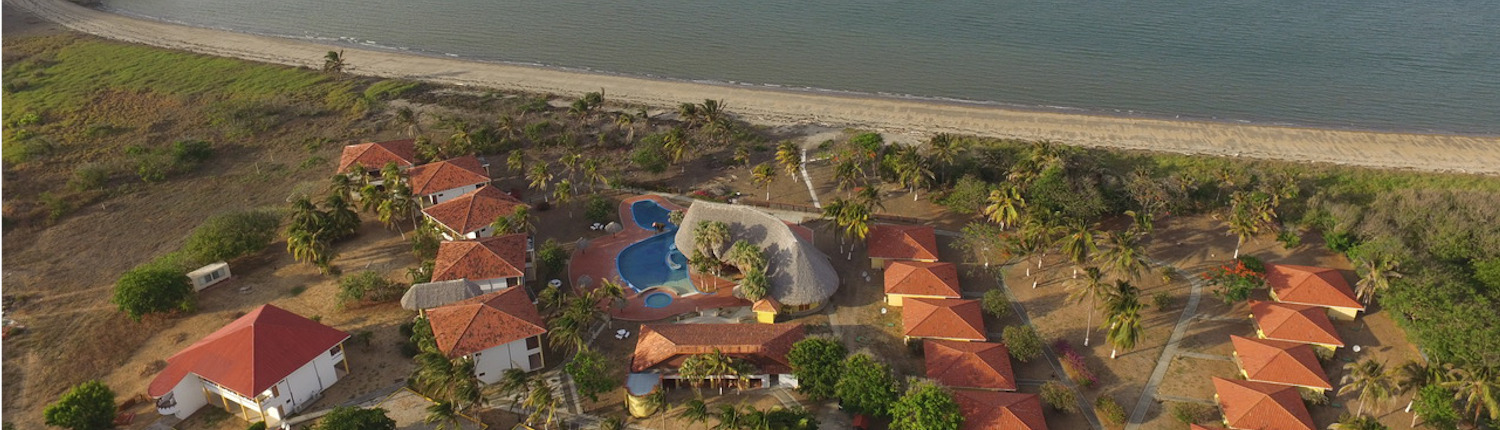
(373, 156)
(766, 310)
(498, 331)
(1251, 405)
(946, 319)
(1278, 362)
(445, 180)
(661, 349)
(905, 279)
(890, 242)
(802, 277)
(1316, 286)
(492, 263)
(994, 410)
(429, 295)
(264, 366)
(1294, 323)
(971, 365)
(469, 216)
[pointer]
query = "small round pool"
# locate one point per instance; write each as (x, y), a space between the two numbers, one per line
(658, 300)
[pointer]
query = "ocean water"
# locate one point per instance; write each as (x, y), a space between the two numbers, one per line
(1375, 64)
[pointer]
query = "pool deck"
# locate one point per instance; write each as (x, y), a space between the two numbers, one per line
(598, 262)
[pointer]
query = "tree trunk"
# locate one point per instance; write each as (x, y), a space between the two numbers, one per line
(1088, 328)
(1112, 352)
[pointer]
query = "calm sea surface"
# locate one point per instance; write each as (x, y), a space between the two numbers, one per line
(1384, 64)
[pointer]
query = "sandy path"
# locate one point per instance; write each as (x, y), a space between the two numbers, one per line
(1470, 154)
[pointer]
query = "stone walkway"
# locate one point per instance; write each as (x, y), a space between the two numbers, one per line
(1084, 408)
(1148, 396)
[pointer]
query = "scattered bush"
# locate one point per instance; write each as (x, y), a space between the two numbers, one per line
(1338, 241)
(57, 206)
(353, 418)
(1290, 238)
(87, 406)
(1109, 410)
(390, 89)
(368, 286)
(1059, 397)
(1234, 283)
(1023, 341)
(995, 303)
(1074, 365)
(551, 259)
(1162, 300)
(967, 196)
(154, 287)
(159, 165)
(1193, 413)
(599, 209)
(230, 235)
(1313, 396)
(89, 177)
(259, 425)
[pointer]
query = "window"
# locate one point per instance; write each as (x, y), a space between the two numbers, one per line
(275, 391)
(336, 350)
(535, 360)
(533, 342)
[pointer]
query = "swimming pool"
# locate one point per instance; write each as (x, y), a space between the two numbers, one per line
(658, 300)
(654, 262)
(647, 212)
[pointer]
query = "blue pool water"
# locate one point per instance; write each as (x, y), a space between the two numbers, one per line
(658, 300)
(654, 262)
(647, 212)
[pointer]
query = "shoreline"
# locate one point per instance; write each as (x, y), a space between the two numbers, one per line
(768, 104)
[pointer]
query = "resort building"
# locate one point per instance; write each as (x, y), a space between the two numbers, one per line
(429, 295)
(1294, 323)
(889, 242)
(498, 331)
(947, 319)
(373, 156)
(1279, 362)
(445, 180)
(766, 310)
(1203, 427)
(994, 410)
(1316, 286)
(802, 277)
(661, 349)
(492, 263)
(1251, 405)
(264, 366)
(469, 216)
(905, 279)
(974, 365)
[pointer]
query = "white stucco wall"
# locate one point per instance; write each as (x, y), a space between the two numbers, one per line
(446, 195)
(497, 284)
(189, 397)
(490, 364)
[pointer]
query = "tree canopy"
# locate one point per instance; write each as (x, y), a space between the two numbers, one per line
(818, 363)
(87, 406)
(352, 418)
(153, 288)
(867, 386)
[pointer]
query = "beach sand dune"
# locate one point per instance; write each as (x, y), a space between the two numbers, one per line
(1430, 152)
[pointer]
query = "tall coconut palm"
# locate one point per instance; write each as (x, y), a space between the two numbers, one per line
(1092, 288)
(677, 145)
(516, 161)
(702, 263)
(1248, 213)
(1124, 255)
(1024, 247)
(307, 246)
(856, 220)
(1004, 206)
(746, 256)
(789, 156)
(1357, 422)
(846, 173)
(341, 219)
(443, 416)
(870, 196)
(593, 173)
(340, 184)
(515, 383)
(695, 412)
(729, 417)
(1122, 317)
(543, 402)
(571, 162)
(370, 198)
(763, 175)
(688, 113)
(1479, 389)
(626, 121)
(834, 212)
(306, 216)
(1375, 275)
(409, 118)
(563, 193)
(1369, 378)
(711, 236)
(333, 62)
(1079, 244)
(539, 176)
(398, 205)
(943, 148)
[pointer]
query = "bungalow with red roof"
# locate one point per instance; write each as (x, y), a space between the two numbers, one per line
(1251, 405)
(993, 410)
(662, 348)
(1316, 286)
(976, 365)
(1279, 362)
(373, 156)
(1203, 427)
(905, 279)
(469, 216)
(950, 319)
(263, 366)
(445, 180)
(1294, 323)
(887, 242)
(492, 263)
(498, 331)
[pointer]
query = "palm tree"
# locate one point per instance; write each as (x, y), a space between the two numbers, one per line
(1357, 422)
(711, 237)
(1141, 222)
(1024, 247)
(1479, 388)
(306, 216)
(1123, 317)
(543, 402)
(746, 256)
(856, 221)
(729, 418)
(447, 380)
(333, 62)
(1375, 276)
(1093, 286)
(539, 176)
(411, 119)
(846, 173)
(789, 156)
(306, 246)
(443, 416)
(341, 185)
(702, 263)
(397, 204)
(763, 175)
(943, 148)
(593, 173)
(516, 383)
(1243, 229)
(695, 412)
(677, 144)
(834, 212)
(1369, 379)
(1125, 255)
(343, 220)
(625, 121)
(563, 193)
(1079, 244)
(1248, 212)
(516, 161)
(1005, 206)
(370, 198)
(870, 196)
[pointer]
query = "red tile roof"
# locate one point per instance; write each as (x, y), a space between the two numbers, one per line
(484, 322)
(764, 345)
(1262, 406)
(375, 155)
(993, 410)
(922, 279)
(943, 318)
(1203, 427)
(477, 260)
(446, 175)
(1296, 323)
(902, 242)
(766, 304)
(1280, 362)
(969, 364)
(1310, 286)
(252, 353)
(474, 210)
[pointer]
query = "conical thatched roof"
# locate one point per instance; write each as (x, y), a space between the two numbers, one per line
(799, 273)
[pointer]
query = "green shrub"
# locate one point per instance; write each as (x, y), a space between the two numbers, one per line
(191, 152)
(258, 425)
(650, 159)
(1023, 342)
(995, 303)
(57, 206)
(1162, 300)
(1059, 397)
(1109, 410)
(1338, 241)
(153, 288)
(89, 177)
(368, 286)
(551, 259)
(1289, 238)
(390, 89)
(87, 406)
(1193, 413)
(230, 235)
(29, 118)
(967, 196)
(599, 209)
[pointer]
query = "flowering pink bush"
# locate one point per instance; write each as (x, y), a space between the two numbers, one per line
(1073, 364)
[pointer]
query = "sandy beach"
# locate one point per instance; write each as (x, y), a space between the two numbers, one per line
(1449, 153)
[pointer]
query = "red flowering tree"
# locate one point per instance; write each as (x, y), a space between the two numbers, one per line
(1233, 282)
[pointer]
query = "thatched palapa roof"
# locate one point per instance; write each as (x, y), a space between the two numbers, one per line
(433, 294)
(800, 274)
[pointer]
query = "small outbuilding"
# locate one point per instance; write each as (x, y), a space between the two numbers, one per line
(906, 279)
(949, 319)
(1315, 286)
(210, 275)
(891, 242)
